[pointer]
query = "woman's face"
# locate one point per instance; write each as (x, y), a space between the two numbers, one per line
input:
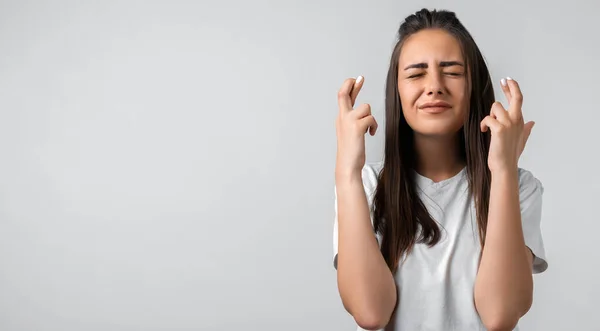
(431, 83)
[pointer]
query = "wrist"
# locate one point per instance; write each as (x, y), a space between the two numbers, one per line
(347, 178)
(506, 173)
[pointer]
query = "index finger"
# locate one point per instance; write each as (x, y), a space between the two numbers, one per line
(505, 89)
(344, 101)
(356, 89)
(516, 100)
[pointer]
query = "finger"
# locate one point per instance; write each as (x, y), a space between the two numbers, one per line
(516, 99)
(498, 112)
(527, 131)
(361, 111)
(358, 84)
(369, 124)
(505, 89)
(344, 101)
(491, 123)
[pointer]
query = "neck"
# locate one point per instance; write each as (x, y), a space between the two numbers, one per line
(438, 157)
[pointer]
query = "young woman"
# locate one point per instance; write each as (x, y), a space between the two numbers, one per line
(444, 233)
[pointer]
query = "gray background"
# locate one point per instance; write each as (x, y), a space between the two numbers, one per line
(169, 165)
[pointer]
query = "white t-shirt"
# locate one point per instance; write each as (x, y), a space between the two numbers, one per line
(436, 284)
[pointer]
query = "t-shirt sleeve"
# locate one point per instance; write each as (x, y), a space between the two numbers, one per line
(369, 178)
(531, 191)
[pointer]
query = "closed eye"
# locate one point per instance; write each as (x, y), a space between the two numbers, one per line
(415, 75)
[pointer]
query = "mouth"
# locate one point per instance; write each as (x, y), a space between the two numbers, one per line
(435, 107)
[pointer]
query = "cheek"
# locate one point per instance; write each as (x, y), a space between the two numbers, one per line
(459, 95)
(408, 95)
(461, 99)
(457, 89)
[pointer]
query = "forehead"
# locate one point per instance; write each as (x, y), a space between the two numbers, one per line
(430, 45)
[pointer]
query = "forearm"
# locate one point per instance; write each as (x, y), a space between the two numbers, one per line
(365, 282)
(504, 284)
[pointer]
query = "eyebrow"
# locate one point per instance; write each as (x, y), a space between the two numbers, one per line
(442, 64)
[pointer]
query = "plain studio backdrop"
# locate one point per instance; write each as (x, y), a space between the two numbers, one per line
(168, 165)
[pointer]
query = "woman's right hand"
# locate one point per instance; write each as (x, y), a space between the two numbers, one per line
(351, 126)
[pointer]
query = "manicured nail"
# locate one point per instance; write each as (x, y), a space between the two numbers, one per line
(503, 82)
(359, 79)
(509, 78)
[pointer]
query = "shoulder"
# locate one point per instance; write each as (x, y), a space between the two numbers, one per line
(527, 180)
(370, 175)
(529, 185)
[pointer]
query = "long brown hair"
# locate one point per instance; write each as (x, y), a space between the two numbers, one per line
(399, 214)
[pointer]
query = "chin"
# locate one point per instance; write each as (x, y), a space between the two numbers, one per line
(439, 129)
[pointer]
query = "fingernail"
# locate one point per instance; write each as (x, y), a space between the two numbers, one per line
(359, 79)
(509, 78)
(503, 82)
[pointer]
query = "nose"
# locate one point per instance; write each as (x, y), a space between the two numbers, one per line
(434, 84)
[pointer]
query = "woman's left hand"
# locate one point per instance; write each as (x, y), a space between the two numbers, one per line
(509, 132)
